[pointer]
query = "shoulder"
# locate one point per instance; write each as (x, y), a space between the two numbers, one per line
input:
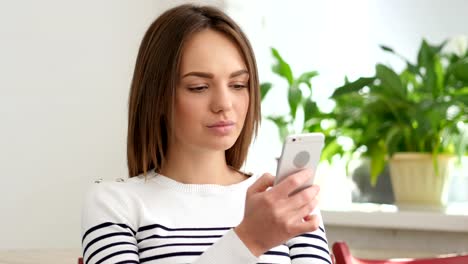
(115, 191)
(115, 201)
(105, 200)
(105, 191)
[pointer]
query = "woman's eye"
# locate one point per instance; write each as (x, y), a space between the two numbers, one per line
(238, 86)
(197, 88)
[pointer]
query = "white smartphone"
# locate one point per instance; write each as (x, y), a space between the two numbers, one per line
(300, 151)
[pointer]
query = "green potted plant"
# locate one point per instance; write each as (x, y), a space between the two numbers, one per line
(414, 119)
(352, 123)
(298, 100)
(311, 121)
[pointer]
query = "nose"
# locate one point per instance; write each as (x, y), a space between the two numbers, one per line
(221, 100)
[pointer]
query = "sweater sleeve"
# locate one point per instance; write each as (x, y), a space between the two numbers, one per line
(228, 245)
(108, 233)
(310, 248)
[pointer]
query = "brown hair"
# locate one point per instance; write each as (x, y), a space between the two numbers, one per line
(155, 78)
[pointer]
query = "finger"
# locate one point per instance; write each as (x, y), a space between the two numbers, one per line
(310, 224)
(292, 182)
(307, 209)
(303, 197)
(309, 217)
(261, 184)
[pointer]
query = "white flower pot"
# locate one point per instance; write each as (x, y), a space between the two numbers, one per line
(415, 183)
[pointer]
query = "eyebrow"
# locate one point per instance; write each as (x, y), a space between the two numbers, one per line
(210, 75)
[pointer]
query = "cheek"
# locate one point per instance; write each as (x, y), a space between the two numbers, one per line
(183, 112)
(244, 103)
(188, 114)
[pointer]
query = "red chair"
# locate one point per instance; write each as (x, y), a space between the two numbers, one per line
(343, 256)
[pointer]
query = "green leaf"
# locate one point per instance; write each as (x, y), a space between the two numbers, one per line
(313, 126)
(393, 138)
(331, 149)
(310, 109)
(305, 78)
(281, 67)
(346, 80)
(412, 68)
(439, 76)
(461, 96)
(353, 86)
(294, 99)
(460, 70)
(390, 81)
(461, 92)
(264, 88)
(408, 78)
(387, 48)
(426, 58)
(377, 164)
(428, 49)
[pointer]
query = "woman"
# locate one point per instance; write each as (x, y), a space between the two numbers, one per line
(194, 108)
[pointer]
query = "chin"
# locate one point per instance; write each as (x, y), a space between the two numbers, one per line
(224, 143)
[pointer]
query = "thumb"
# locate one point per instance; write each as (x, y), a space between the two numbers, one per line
(262, 184)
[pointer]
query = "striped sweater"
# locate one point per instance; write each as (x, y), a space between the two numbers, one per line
(159, 220)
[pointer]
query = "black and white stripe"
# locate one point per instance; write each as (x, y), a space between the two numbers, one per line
(156, 243)
(310, 246)
(109, 243)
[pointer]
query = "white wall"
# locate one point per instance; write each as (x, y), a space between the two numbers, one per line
(65, 70)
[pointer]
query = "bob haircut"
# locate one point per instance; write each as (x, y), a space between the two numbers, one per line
(152, 92)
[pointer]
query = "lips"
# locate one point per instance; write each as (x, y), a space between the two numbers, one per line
(222, 124)
(222, 128)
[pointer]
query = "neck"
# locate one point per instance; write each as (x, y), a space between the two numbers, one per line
(199, 167)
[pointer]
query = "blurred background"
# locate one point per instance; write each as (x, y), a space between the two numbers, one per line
(65, 72)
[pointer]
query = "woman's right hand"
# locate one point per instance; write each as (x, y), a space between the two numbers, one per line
(271, 217)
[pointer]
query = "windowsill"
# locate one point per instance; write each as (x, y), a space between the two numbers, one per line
(453, 219)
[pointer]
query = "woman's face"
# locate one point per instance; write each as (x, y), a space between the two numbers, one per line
(212, 95)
